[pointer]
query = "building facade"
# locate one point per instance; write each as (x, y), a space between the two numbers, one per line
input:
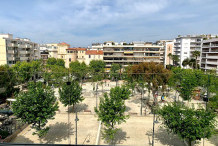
(185, 45)
(13, 50)
(132, 53)
(93, 55)
(81, 53)
(209, 55)
(71, 56)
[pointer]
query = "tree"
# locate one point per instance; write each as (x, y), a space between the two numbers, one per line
(97, 69)
(111, 111)
(170, 55)
(97, 72)
(23, 71)
(188, 123)
(79, 70)
(175, 59)
(71, 94)
(196, 54)
(7, 81)
(185, 62)
(154, 74)
(114, 72)
(60, 62)
(36, 106)
(52, 61)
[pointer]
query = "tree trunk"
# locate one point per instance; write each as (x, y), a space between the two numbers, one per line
(196, 62)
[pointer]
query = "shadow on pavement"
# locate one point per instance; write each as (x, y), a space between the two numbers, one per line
(163, 137)
(128, 108)
(120, 136)
(214, 139)
(80, 107)
(22, 139)
(57, 133)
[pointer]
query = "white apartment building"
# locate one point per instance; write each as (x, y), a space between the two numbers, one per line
(185, 45)
(52, 49)
(18, 49)
(130, 53)
(209, 54)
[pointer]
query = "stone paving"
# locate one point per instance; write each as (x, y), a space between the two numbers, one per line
(136, 131)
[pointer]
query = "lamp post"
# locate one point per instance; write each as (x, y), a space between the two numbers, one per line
(154, 121)
(96, 94)
(76, 120)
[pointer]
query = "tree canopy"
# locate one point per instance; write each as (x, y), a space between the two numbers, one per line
(71, 94)
(36, 107)
(111, 111)
(188, 123)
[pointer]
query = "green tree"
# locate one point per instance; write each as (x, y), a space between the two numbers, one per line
(97, 69)
(111, 111)
(36, 107)
(23, 71)
(7, 81)
(175, 60)
(114, 72)
(185, 62)
(189, 124)
(60, 62)
(79, 70)
(52, 61)
(196, 54)
(71, 94)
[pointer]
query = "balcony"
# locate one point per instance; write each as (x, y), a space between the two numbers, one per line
(212, 62)
(206, 46)
(11, 51)
(24, 58)
(23, 52)
(211, 57)
(11, 58)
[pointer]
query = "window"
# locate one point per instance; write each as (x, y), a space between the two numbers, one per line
(71, 51)
(70, 59)
(185, 52)
(62, 57)
(89, 56)
(68, 51)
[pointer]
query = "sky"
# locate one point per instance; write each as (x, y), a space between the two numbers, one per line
(83, 22)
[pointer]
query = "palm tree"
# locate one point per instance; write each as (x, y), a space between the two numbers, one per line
(196, 54)
(170, 57)
(186, 62)
(175, 59)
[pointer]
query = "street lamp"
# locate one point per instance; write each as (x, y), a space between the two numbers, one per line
(76, 120)
(154, 121)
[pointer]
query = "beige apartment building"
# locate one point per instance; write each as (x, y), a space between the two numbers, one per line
(13, 50)
(93, 55)
(209, 54)
(52, 50)
(168, 48)
(81, 53)
(131, 53)
(71, 56)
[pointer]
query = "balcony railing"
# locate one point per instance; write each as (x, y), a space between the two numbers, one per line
(11, 51)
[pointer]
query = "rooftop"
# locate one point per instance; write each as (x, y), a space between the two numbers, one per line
(94, 52)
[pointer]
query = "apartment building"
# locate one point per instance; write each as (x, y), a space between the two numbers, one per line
(52, 49)
(130, 53)
(71, 56)
(185, 45)
(81, 53)
(209, 55)
(168, 47)
(93, 55)
(17, 49)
